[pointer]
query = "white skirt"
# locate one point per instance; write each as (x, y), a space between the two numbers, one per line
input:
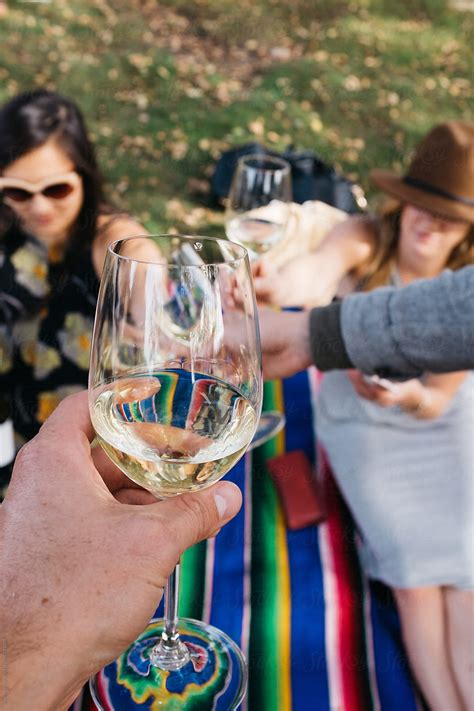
(408, 483)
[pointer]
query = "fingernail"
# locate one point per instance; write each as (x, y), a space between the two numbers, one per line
(227, 499)
(221, 504)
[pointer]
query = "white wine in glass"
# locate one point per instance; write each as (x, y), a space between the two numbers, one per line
(258, 205)
(171, 451)
(175, 393)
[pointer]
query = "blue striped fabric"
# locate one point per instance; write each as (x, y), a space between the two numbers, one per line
(309, 679)
(228, 578)
(316, 674)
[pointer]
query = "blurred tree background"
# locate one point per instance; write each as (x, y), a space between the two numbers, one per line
(167, 85)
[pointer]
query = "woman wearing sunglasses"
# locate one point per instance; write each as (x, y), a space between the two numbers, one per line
(55, 226)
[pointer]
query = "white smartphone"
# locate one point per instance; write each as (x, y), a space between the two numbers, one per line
(380, 382)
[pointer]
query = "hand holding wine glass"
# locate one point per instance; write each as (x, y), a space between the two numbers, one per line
(175, 395)
(62, 588)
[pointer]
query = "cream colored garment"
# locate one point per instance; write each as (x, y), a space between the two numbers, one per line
(307, 225)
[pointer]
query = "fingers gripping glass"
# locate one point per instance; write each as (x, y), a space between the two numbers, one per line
(55, 187)
(175, 392)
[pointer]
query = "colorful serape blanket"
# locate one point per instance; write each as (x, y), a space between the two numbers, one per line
(318, 636)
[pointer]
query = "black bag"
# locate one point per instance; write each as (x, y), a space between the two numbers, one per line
(312, 178)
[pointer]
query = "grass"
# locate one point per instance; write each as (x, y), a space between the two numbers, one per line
(166, 86)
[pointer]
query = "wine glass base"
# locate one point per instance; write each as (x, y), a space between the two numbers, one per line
(269, 425)
(214, 678)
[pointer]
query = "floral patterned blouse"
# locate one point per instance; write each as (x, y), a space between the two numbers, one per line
(46, 318)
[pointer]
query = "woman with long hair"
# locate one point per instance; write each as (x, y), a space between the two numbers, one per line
(402, 452)
(55, 226)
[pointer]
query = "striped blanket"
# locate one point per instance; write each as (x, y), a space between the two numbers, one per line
(317, 635)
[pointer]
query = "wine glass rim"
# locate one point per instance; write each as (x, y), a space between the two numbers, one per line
(241, 251)
(279, 163)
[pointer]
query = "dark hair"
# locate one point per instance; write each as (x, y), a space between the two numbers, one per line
(30, 120)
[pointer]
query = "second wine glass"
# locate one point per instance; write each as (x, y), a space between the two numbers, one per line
(175, 394)
(258, 206)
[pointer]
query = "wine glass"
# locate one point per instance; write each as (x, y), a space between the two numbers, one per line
(258, 206)
(175, 392)
(257, 214)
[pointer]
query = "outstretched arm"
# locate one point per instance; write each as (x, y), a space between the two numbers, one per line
(426, 326)
(313, 278)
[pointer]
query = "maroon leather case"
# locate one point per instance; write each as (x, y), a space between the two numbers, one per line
(300, 495)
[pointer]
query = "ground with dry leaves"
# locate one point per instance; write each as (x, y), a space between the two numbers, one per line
(166, 86)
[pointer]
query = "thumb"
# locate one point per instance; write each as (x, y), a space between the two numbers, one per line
(190, 518)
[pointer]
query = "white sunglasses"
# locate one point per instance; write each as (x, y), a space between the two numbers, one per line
(56, 187)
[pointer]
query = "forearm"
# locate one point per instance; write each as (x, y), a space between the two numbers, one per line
(342, 252)
(349, 244)
(427, 326)
(310, 279)
(41, 669)
(39, 682)
(313, 278)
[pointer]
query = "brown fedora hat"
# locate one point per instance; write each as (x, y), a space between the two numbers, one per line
(441, 175)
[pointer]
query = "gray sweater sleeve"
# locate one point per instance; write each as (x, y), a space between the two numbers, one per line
(426, 326)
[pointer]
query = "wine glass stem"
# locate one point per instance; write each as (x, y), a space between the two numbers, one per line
(171, 605)
(170, 653)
